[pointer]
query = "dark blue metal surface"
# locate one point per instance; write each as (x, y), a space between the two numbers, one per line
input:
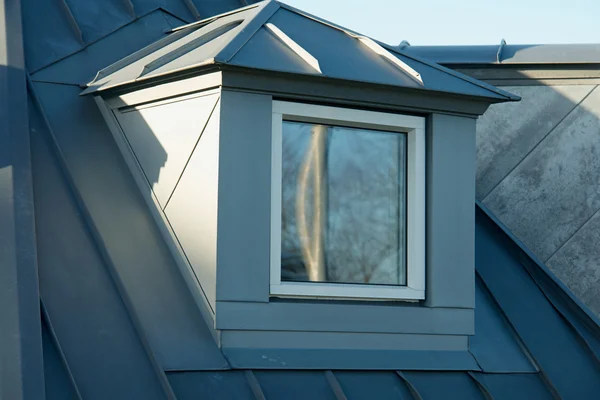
(515, 386)
(444, 385)
(211, 385)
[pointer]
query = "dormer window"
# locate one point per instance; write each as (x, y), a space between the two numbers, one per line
(348, 197)
(291, 164)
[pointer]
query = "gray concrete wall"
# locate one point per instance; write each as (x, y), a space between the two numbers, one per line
(538, 171)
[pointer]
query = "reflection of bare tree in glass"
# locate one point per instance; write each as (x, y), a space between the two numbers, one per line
(358, 236)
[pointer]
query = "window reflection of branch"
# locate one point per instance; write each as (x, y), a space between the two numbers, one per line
(312, 244)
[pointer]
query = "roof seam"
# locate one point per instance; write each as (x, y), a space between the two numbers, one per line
(254, 385)
(538, 262)
(98, 243)
(58, 348)
(484, 390)
(513, 330)
(335, 386)
(411, 388)
(569, 323)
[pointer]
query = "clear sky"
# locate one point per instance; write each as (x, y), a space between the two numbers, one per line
(427, 22)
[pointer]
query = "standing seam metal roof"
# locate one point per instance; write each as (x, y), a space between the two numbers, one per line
(273, 36)
(99, 252)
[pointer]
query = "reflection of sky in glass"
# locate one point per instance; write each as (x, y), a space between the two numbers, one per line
(362, 201)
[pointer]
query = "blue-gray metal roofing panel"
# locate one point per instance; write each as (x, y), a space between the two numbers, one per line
(509, 54)
(211, 385)
(340, 53)
(495, 344)
(59, 385)
(265, 51)
(556, 347)
(515, 386)
(98, 19)
(82, 66)
(295, 385)
(81, 299)
(369, 385)
(444, 385)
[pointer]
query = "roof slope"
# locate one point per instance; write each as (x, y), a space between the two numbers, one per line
(276, 37)
(118, 319)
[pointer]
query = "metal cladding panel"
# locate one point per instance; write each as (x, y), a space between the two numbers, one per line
(348, 359)
(515, 386)
(495, 344)
(84, 306)
(96, 19)
(47, 32)
(371, 385)
(226, 385)
(128, 233)
(506, 133)
(81, 67)
(577, 263)
(192, 211)
(265, 51)
(339, 54)
(58, 382)
(244, 209)
(163, 138)
(557, 348)
(554, 190)
(444, 385)
(295, 385)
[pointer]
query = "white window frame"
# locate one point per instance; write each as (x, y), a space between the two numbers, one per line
(414, 128)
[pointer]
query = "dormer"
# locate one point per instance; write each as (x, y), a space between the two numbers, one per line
(315, 186)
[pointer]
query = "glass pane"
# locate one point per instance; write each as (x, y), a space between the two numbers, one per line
(343, 214)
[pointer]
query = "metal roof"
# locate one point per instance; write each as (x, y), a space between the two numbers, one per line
(117, 319)
(275, 37)
(509, 54)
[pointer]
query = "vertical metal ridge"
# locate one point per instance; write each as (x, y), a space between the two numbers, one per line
(21, 354)
(130, 7)
(57, 346)
(99, 245)
(586, 344)
(295, 47)
(192, 7)
(251, 26)
(187, 47)
(484, 390)
(254, 385)
(413, 390)
(72, 21)
(335, 385)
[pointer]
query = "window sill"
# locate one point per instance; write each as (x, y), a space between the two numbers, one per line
(346, 291)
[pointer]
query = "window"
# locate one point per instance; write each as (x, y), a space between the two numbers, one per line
(348, 203)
